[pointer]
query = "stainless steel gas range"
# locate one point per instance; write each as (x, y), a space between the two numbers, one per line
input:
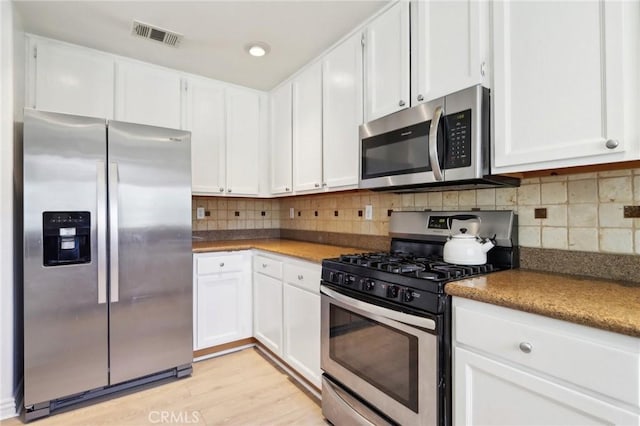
(385, 335)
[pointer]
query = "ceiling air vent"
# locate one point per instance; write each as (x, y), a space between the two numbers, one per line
(169, 38)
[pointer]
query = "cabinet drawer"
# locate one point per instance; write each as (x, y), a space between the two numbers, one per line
(268, 266)
(306, 277)
(593, 359)
(218, 264)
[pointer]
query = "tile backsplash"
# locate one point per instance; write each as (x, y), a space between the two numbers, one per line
(224, 213)
(584, 212)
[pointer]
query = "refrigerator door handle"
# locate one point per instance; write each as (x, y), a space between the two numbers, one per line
(113, 230)
(101, 220)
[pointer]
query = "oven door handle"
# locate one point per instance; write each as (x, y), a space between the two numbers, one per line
(413, 320)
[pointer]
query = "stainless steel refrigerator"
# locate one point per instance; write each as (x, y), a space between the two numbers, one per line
(107, 258)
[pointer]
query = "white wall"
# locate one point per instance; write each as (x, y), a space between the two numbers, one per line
(11, 64)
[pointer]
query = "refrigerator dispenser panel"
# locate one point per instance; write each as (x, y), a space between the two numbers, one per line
(66, 238)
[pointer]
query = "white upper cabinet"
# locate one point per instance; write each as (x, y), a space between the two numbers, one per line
(147, 94)
(565, 87)
(205, 118)
(281, 158)
(386, 61)
(449, 47)
(307, 129)
(342, 113)
(244, 131)
(71, 79)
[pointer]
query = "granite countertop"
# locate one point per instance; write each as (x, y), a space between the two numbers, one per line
(308, 251)
(607, 305)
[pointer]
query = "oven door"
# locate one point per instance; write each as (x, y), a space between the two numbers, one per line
(397, 150)
(386, 357)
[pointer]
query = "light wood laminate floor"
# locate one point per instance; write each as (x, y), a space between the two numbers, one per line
(241, 388)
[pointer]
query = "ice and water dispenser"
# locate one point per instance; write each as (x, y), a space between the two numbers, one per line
(66, 238)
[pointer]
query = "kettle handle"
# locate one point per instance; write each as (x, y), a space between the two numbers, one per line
(461, 217)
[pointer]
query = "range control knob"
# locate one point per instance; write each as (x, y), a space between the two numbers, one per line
(349, 279)
(335, 277)
(407, 295)
(392, 292)
(369, 285)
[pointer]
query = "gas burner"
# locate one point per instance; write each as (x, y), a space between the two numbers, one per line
(416, 266)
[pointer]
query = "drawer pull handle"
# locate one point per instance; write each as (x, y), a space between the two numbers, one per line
(526, 347)
(300, 277)
(264, 265)
(221, 264)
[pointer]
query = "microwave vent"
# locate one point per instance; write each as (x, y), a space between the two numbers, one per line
(169, 38)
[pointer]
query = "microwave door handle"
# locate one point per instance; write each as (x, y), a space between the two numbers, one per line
(433, 144)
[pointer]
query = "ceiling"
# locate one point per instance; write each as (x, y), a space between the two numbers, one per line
(215, 32)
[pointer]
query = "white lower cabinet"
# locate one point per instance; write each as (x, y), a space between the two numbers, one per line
(222, 298)
(267, 314)
(516, 368)
(301, 320)
(489, 392)
(286, 316)
(283, 314)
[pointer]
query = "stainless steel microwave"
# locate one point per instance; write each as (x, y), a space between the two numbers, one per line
(442, 143)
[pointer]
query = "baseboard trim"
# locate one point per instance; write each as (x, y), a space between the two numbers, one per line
(11, 407)
(226, 348)
(8, 408)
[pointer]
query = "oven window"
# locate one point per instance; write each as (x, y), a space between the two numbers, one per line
(383, 356)
(398, 152)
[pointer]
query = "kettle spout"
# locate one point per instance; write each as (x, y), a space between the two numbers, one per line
(486, 246)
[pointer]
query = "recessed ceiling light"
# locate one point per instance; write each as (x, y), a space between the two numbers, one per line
(257, 48)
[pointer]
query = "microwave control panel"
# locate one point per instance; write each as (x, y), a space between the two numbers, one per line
(458, 128)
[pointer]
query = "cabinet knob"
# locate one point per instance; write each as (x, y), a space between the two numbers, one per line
(287, 189)
(221, 264)
(526, 347)
(324, 183)
(221, 189)
(317, 185)
(483, 69)
(264, 265)
(229, 190)
(300, 277)
(401, 103)
(612, 144)
(420, 98)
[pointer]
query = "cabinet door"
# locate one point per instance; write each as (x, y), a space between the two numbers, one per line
(223, 309)
(147, 94)
(488, 392)
(73, 80)
(387, 62)
(205, 118)
(307, 129)
(267, 312)
(243, 139)
(439, 68)
(281, 158)
(302, 332)
(558, 89)
(342, 113)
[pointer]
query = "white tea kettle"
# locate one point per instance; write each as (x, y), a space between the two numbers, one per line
(465, 247)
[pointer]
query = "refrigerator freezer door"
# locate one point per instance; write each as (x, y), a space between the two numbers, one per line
(150, 216)
(65, 314)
